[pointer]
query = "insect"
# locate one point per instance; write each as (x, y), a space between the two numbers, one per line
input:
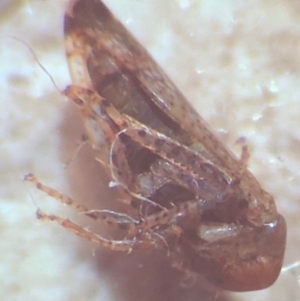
(191, 195)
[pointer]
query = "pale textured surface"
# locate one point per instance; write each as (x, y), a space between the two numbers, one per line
(237, 63)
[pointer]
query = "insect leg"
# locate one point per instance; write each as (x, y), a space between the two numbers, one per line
(184, 213)
(111, 124)
(180, 156)
(115, 245)
(166, 217)
(111, 218)
(103, 121)
(121, 175)
(100, 126)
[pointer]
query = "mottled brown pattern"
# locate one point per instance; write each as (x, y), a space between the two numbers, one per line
(195, 198)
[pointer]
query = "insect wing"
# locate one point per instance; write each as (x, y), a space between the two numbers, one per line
(110, 43)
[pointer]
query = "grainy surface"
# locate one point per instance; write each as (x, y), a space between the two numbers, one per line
(241, 71)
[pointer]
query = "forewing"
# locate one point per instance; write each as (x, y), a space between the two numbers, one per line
(104, 31)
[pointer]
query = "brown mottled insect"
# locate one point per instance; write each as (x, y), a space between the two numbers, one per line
(192, 195)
